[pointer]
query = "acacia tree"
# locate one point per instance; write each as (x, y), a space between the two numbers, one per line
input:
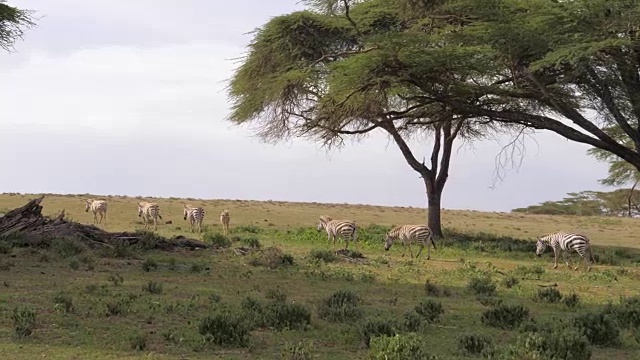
(571, 67)
(349, 70)
(13, 22)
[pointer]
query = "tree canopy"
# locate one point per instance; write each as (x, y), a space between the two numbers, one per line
(620, 202)
(13, 22)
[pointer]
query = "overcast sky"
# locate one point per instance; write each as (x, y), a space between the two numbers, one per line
(109, 98)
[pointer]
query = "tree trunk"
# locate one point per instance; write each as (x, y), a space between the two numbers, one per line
(630, 197)
(433, 216)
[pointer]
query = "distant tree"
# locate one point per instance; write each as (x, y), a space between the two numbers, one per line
(349, 68)
(588, 203)
(13, 22)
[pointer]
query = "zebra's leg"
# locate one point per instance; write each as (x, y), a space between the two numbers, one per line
(105, 218)
(420, 251)
(555, 258)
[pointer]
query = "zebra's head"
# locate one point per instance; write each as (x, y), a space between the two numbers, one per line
(87, 204)
(388, 241)
(140, 206)
(541, 246)
(322, 222)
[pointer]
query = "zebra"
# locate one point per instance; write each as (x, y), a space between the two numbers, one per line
(224, 219)
(97, 207)
(344, 228)
(195, 216)
(149, 211)
(410, 234)
(565, 242)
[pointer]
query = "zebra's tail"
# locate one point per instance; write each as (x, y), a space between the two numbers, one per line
(159, 216)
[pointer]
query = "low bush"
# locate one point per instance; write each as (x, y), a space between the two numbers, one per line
(24, 321)
(429, 310)
(63, 303)
(374, 328)
(217, 240)
(505, 316)
(482, 285)
(153, 287)
(400, 347)
(225, 329)
(302, 350)
(149, 264)
(342, 306)
(322, 255)
(510, 281)
(561, 343)
(548, 295)
(571, 300)
(599, 328)
(272, 258)
(473, 344)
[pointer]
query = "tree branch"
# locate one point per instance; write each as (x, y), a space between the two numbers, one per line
(348, 16)
(406, 151)
(435, 151)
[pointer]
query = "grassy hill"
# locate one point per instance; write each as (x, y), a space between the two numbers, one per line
(291, 297)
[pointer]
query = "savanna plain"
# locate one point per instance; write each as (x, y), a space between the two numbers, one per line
(273, 288)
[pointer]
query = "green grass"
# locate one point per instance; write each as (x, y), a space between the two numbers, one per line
(141, 301)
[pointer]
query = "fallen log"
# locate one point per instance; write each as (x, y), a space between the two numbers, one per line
(28, 223)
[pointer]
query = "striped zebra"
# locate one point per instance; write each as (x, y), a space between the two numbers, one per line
(565, 243)
(224, 220)
(97, 207)
(409, 234)
(149, 211)
(195, 216)
(346, 229)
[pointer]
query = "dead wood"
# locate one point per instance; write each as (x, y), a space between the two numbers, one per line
(549, 285)
(28, 223)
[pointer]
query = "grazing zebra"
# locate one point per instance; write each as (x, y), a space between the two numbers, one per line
(195, 216)
(334, 228)
(566, 242)
(224, 219)
(149, 211)
(97, 207)
(410, 234)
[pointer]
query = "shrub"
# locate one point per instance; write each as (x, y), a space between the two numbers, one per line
(505, 316)
(214, 298)
(116, 279)
(251, 242)
(400, 347)
(5, 248)
(535, 271)
(429, 310)
(224, 329)
(548, 295)
(571, 300)
(482, 285)
(375, 328)
(300, 351)
(153, 287)
(281, 315)
(217, 240)
(342, 306)
(275, 294)
(149, 264)
(67, 247)
(272, 258)
(561, 343)
(510, 282)
(473, 344)
(488, 300)
(138, 341)
(434, 290)
(74, 264)
(411, 321)
(323, 255)
(599, 328)
(24, 321)
(627, 312)
(63, 302)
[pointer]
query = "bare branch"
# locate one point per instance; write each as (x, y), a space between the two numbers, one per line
(510, 156)
(348, 16)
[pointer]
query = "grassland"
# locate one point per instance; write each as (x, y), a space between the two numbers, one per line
(138, 303)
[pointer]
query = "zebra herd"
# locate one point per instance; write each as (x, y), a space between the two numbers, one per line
(150, 211)
(560, 242)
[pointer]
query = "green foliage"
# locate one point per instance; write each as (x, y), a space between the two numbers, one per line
(400, 347)
(13, 23)
(225, 329)
(302, 350)
(138, 341)
(510, 282)
(272, 258)
(24, 321)
(505, 316)
(558, 343)
(323, 255)
(571, 300)
(371, 328)
(153, 287)
(599, 328)
(548, 294)
(63, 302)
(430, 310)
(149, 264)
(627, 312)
(482, 285)
(276, 314)
(473, 344)
(216, 240)
(342, 306)
(67, 247)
